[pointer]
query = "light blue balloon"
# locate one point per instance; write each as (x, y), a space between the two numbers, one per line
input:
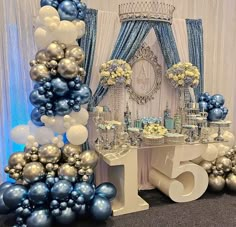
(38, 193)
(38, 100)
(62, 107)
(201, 98)
(5, 185)
(53, 3)
(59, 86)
(218, 99)
(67, 216)
(81, 15)
(35, 117)
(203, 106)
(100, 208)
(86, 190)
(39, 218)
(215, 114)
(3, 208)
(84, 93)
(14, 196)
(68, 10)
(61, 190)
(210, 106)
(107, 190)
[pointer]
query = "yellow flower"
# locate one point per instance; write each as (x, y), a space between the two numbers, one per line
(110, 82)
(189, 73)
(180, 82)
(171, 76)
(195, 82)
(175, 78)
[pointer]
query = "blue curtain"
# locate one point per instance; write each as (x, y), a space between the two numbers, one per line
(165, 35)
(195, 43)
(131, 35)
(88, 42)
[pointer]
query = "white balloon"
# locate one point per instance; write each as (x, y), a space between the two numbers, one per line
(80, 117)
(211, 153)
(80, 25)
(58, 126)
(222, 149)
(44, 135)
(20, 134)
(32, 128)
(66, 32)
(77, 134)
(229, 138)
(47, 11)
(42, 38)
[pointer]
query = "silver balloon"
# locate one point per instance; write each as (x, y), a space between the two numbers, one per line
(39, 71)
(49, 153)
(231, 182)
(70, 150)
(68, 68)
(42, 57)
(216, 183)
(75, 52)
(33, 171)
(207, 166)
(88, 159)
(67, 172)
(224, 163)
(55, 51)
(17, 158)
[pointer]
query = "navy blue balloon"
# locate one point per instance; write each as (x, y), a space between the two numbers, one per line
(81, 6)
(210, 106)
(39, 218)
(225, 112)
(68, 10)
(3, 208)
(218, 99)
(38, 100)
(62, 107)
(53, 3)
(83, 211)
(67, 216)
(61, 190)
(84, 93)
(59, 86)
(35, 117)
(215, 114)
(85, 189)
(212, 101)
(201, 98)
(203, 106)
(5, 185)
(81, 15)
(100, 208)
(107, 190)
(38, 193)
(14, 196)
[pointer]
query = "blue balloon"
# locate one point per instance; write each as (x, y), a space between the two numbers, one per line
(86, 190)
(107, 190)
(61, 190)
(100, 208)
(59, 86)
(81, 15)
(35, 117)
(201, 98)
(81, 6)
(84, 93)
(225, 112)
(67, 216)
(203, 106)
(210, 106)
(3, 208)
(38, 100)
(215, 114)
(39, 218)
(218, 99)
(212, 101)
(53, 3)
(5, 185)
(82, 210)
(14, 196)
(62, 107)
(38, 193)
(68, 10)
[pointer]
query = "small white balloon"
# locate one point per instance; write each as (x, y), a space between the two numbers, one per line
(20, 134)
(77, 134)
(211, 153)
(44, 135)
(80, 25)
(222, 149)
(80, 117)
(229, 138)
(47, 11)
(42, 38)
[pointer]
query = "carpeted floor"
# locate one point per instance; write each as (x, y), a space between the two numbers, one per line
(212, 210)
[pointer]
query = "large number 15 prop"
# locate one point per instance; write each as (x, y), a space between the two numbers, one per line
(174, 174)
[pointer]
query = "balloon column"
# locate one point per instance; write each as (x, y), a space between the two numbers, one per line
(222, 171)
(54, 178)
(214, 105)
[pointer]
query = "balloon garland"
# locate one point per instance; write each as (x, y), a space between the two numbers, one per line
(54, 178)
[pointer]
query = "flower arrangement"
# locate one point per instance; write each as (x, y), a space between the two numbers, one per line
(108, 125)
(154, 130)
(183, 74)
(115, 71)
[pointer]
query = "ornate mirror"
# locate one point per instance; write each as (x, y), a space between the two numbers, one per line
(147, 76)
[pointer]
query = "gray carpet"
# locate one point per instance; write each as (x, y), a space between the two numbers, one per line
(212, 210)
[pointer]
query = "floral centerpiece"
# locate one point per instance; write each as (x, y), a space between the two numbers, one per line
(115, 71)
(183, 74)
(154, 130)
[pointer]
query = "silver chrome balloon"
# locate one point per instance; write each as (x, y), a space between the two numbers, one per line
(231, 182)
(42, 57)
(67, 172)
(224, 163)
(49, 153)
(39, 71)
(216, 183)
(68, 68)
(17, 158)
(88, 159)
(206, 165)
(75, 52)
(69, 150)
(33, 171)
(55, 51)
